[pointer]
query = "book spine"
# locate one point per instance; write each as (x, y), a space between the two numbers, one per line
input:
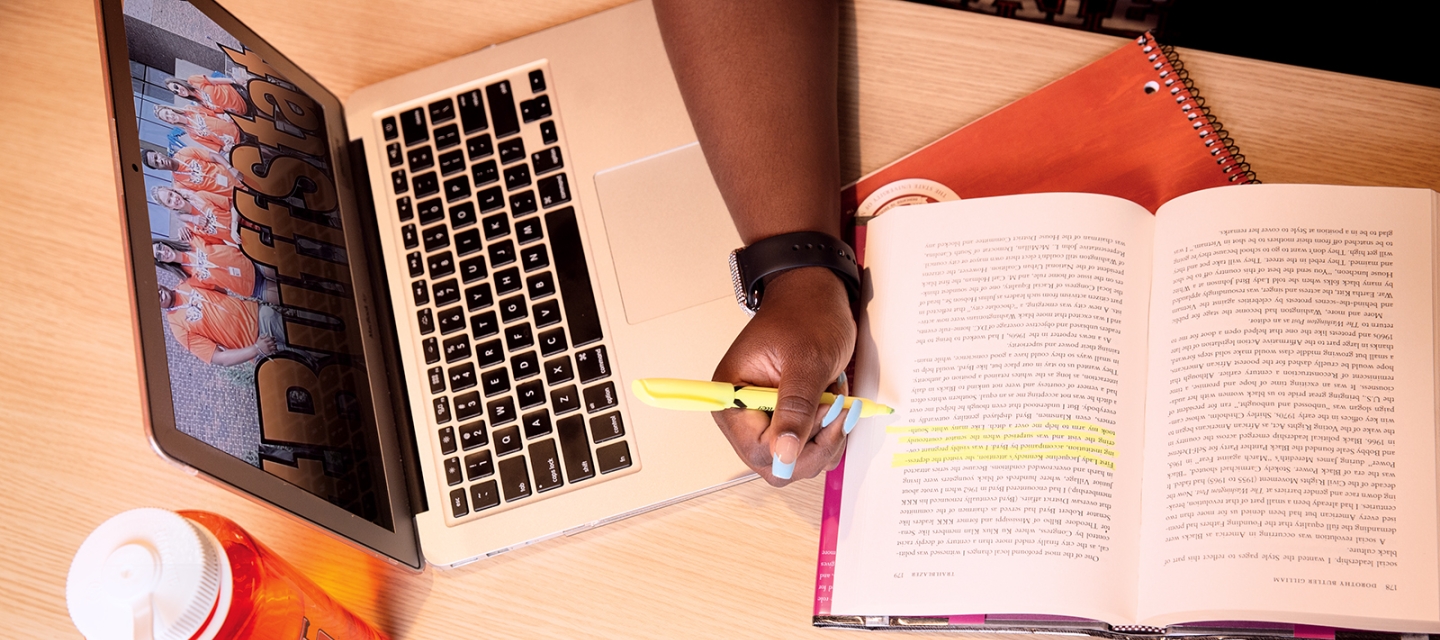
(1174, 79)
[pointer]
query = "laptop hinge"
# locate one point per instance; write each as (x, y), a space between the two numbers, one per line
(385, 321)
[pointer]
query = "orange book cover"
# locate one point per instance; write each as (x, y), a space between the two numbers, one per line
(1130, 124)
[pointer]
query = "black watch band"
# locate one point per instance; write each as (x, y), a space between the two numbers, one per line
(749, 266)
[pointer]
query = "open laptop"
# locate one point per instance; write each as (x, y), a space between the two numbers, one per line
(412, 318)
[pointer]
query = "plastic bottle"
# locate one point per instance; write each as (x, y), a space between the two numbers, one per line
(151, 574)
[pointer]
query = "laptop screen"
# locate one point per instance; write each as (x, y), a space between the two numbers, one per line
(262, 340)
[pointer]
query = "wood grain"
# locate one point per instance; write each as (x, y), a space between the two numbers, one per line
(739, 563)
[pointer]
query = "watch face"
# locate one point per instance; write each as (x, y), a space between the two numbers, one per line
(742, 297)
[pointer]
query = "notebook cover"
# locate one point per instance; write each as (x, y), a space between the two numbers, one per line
(1130, 124)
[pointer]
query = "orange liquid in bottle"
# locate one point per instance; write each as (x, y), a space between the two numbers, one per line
(270, 599)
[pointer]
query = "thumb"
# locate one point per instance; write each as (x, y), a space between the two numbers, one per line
(796, 400)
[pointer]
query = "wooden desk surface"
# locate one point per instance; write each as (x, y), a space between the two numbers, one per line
(739, 563)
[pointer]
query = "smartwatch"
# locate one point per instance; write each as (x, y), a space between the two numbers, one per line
(750, 266)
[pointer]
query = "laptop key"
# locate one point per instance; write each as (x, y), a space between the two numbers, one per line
(402, 204)
(447, 441)
(525, 365)
(516, 177)
(441, 264)
(613, 457)
(575, 449)
(452, 472)
(426, 320)
(398, 182)
(463, 215)
(496, 226)
(606, 427)
(436, 376)
(489, 354)
(468, 241)
(452, 162)
(472, 269)
(450, 320)
(459, 508)
(512, 309)
(457, 349)
(508, 281)
(514, 481)
(600, 397)
(552, 342)
(528, 230)
(565, 399)
(390, 128)
(484, 173)
(446, 293)
(535, 108)
(490, 199)
(441, 408)
(416, 263)
(554, 190)
(522, 204)
(547, 466)
(518, 336)
(467, 406)
(409, 236)
(485, 495)
(431, 347)
(442, 111)
(412, 124)
(593, 363)
(547, 160)
(446, 137)
(548, 135)
(501, 411)
(495, 382)
(472, 111)
(419, 292)
(394, 155)
(507, 441)
(430, 211)
(573, 275)
(479, 296)
(558, 371)
(473, 435)
(537, 81)
(435, 238)
(478, 147)
(502, 108)
(502, 253)
(461, 377)
(420, 159)
(547, 313)
(484, 325)
(457, 188)
(478, 465)
(536, 423)
(512, 150)
(426, 185)
(540, 285)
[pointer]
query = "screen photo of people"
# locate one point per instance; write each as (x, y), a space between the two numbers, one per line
(253, 274)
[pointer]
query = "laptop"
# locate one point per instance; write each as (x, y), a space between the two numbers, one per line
(412, 317)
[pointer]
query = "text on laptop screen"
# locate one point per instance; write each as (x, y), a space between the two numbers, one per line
(262, 338)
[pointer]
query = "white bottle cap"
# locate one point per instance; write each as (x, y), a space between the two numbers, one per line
(149, 574)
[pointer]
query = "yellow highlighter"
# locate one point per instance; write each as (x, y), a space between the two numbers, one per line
(697, 395)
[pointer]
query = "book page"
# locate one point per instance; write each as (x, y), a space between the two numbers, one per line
(1290, 452)
(1009, 333)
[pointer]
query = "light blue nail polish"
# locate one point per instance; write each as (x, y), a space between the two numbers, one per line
(780, 469)
(854, 416)
(834, 411)
(842, 380)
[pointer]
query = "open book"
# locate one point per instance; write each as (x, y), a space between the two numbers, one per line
(1222, 412)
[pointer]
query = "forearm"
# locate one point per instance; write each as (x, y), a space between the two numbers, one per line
(773, 144)
(231, 357)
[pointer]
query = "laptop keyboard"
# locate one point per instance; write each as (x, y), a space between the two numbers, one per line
(522, 403)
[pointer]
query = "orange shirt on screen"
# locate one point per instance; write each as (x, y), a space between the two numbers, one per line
(220, 267)
(216, 134)
(218, 97)
(218, 218)
(202, 320)
(199, 172)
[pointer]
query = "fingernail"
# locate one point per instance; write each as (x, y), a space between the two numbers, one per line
(834, 411)
(787, 450)
(842, 380)
(854, 415)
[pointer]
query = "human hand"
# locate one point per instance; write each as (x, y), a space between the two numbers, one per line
(265, 345)
(799, 342)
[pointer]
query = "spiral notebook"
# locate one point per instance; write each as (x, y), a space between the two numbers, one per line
(1130, 125)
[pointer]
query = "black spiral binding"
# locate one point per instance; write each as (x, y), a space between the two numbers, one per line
(1211, 132)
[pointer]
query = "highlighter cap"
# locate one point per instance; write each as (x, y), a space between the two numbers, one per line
(149, 574)
(684, 395)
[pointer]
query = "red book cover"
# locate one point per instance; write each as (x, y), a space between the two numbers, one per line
(1130, 124)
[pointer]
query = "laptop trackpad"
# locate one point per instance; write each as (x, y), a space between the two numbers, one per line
(669, 232)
